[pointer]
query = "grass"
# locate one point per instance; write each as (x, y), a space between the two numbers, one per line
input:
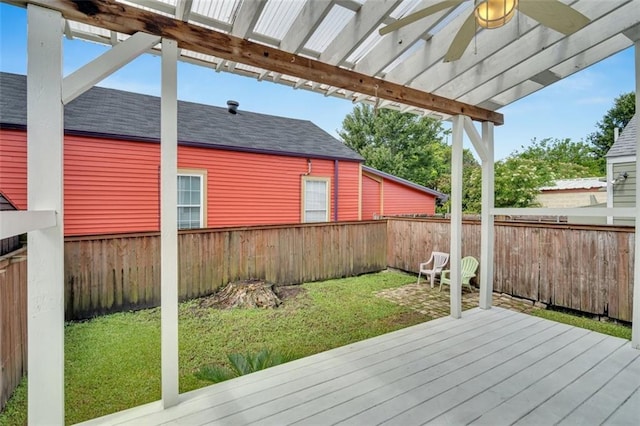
(611, 329)
(113, 362)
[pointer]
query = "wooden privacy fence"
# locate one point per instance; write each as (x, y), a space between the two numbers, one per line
(13, 318)
(588, 268)
(118, 272)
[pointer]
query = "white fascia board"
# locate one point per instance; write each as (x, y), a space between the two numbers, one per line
(575, 211)
(14, 223)
(625, 159)
(95, 71)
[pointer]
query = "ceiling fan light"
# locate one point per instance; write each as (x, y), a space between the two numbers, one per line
(494, 13)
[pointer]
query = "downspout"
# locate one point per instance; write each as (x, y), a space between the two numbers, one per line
(335, 192)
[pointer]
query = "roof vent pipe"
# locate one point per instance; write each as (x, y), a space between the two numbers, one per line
(233, 106)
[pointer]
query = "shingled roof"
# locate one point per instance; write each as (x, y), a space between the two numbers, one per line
(119, 114)
(626, 143)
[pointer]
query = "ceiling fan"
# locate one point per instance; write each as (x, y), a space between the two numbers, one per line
(492, 14)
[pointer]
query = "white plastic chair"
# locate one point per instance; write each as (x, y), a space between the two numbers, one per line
(438, 261)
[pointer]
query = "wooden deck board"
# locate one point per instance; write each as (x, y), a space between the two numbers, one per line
(490, 367)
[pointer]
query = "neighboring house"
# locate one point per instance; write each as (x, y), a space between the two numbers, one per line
(388, 195)
(579, 192)
(233, 169)
(621, 171)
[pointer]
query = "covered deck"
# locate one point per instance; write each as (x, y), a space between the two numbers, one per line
(490, 367)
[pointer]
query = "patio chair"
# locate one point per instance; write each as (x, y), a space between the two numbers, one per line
(469, 266)
(438, 261)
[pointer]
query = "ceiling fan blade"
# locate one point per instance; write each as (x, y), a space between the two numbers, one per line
(462, 39)
(554, 14)
(423, 13)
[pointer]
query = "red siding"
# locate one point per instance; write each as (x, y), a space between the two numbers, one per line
(349, 190)
(113, 185)
(401, 199)
(13, 166)
(110, 186)
(370, 197)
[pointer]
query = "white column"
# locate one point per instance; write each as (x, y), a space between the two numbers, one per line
(487, 225)
(45, 271)
(169, 223)
(455, 289)
(635, 331)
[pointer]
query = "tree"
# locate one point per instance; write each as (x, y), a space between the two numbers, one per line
(519, 176)
(404, 145)
(617, 117)
(563, 158)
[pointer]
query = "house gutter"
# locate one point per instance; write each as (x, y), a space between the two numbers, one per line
(335, 192)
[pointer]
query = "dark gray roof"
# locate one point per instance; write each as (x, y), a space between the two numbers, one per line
(626, 143)
(119, 114)
(408, 183)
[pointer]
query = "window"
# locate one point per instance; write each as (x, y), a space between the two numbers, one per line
(191, 201)
(315, 196)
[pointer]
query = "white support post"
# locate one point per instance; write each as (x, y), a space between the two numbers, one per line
(635, 330)
(169, 223)
(45, 270)
(487, 224)
(455, 289)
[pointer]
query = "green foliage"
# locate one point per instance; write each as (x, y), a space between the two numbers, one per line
(611, 329)
(519, 176)
(241, 365)
(15, 412)
(404, 145)
(564, 158)
(618, 116)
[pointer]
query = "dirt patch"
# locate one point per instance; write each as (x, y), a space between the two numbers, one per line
(288, 292)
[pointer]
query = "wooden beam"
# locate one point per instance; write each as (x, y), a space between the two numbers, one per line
(18, 222)
(128, 20)
(95, 71)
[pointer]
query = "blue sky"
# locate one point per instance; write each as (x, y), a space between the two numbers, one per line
(569, 108)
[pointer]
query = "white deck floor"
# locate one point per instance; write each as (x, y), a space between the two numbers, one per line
(490, 367)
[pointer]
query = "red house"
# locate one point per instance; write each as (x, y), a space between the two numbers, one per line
(385, 194)
(234, 169)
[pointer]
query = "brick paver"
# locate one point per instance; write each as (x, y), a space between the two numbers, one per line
(429, 301)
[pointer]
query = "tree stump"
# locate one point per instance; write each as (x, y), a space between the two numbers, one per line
(244, 294)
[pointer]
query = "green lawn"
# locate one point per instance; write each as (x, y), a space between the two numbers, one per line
(609, 328)
(113, 362)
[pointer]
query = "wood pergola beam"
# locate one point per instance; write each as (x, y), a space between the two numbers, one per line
(129, 20)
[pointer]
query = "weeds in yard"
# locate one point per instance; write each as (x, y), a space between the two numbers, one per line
(241, 365)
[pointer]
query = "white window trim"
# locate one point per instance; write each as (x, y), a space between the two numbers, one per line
(202, 174)
(306, 179)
